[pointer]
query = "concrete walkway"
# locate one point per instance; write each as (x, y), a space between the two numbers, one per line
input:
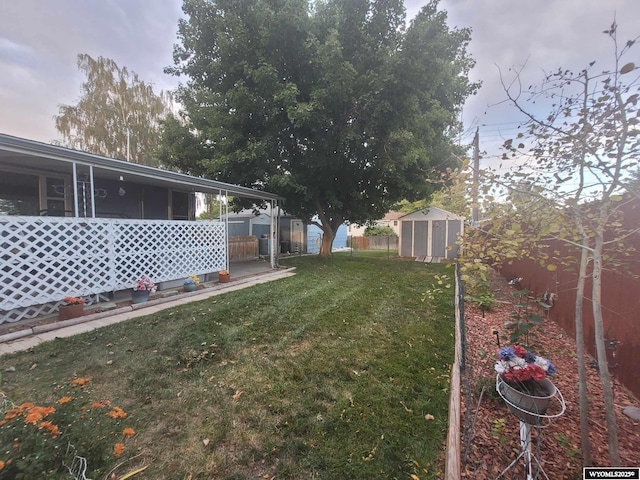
(28, 338)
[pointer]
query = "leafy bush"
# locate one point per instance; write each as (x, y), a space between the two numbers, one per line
(378, 231)
(62, 440)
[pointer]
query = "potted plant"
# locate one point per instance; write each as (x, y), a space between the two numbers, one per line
(73, 308)
(523, 383)
(191, 283)
(141, 289)
(223, 276)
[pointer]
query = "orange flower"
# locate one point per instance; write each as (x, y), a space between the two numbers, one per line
(25, 406)
(118, 448)
(64, 400)
(117, 412)
(47, 410)
(33, 417)
(99, 404)
(1, 464)
(128, 432)
(51, 428)
(36, 413)
(79, 382)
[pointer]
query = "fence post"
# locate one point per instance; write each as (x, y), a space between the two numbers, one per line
(452, 461)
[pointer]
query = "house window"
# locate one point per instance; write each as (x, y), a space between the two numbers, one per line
(18, 194)
(395, 223)
(55, 197)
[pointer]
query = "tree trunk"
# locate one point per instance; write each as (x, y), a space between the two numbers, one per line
(603, 366)
(585, 442)
(328, 235)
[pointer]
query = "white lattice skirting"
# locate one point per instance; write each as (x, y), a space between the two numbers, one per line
(45, 259)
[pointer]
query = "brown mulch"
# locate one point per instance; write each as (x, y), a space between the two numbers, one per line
(494, 445)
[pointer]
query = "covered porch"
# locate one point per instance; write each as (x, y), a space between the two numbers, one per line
(77, 224)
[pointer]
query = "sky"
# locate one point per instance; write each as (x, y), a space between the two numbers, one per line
(40, 41)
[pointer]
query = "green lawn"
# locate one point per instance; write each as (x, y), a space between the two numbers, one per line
(340, 372)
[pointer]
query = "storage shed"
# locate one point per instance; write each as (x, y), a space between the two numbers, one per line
(430, 234)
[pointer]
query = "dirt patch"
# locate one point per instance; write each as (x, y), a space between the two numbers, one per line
(494, 442)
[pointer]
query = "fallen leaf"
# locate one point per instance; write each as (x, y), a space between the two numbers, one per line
(428, 416)
(237, 395)
(206, 442)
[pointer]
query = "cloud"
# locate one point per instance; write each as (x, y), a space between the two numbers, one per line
(41, 40)
(535, 37)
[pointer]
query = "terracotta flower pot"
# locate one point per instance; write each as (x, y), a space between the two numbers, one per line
(66, 312)
(224, 278)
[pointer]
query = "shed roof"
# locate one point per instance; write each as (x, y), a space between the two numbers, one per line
(431, 213)
(393, 215)
(21, 152)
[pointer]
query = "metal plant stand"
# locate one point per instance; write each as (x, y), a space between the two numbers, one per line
(535, 420)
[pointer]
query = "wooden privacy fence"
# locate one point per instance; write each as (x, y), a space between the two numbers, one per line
(375, 243)
(620, 305)
(243, 248)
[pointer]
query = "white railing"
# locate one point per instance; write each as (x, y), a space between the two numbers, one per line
(44, 259)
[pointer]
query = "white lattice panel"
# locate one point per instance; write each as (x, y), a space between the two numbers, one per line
(44, 259)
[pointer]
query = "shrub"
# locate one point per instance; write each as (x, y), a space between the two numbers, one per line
(378, 231)
(62, 440)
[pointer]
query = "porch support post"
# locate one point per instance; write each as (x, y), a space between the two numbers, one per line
(277, 233)
(226, 223)
(273, 235)
(75, 189)
(93, 192)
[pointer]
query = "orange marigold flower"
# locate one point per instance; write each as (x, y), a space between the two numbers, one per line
(118, 448)
(128, 432)
(11, 414)
(98, 405)
(33, 417)
(117, 412)
(25, 406)
(64, 400)
(3, 422)
(51, 428)
(1, 464)
(80, 381)
(36, 413)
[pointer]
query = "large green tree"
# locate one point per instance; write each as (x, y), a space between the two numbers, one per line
(118, 115)
(333, 104)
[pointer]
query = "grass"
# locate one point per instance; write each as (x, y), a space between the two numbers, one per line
(340, 372)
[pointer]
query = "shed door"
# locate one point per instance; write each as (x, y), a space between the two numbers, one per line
(420, 236)
(438, 239)
(453, 230)
(297, 236)
(407, 239)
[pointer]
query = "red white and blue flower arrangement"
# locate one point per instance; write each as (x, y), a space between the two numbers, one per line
(517, 365)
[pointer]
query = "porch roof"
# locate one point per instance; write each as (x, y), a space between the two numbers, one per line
(22, 152)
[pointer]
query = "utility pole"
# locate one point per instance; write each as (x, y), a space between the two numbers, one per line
(476, 178)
